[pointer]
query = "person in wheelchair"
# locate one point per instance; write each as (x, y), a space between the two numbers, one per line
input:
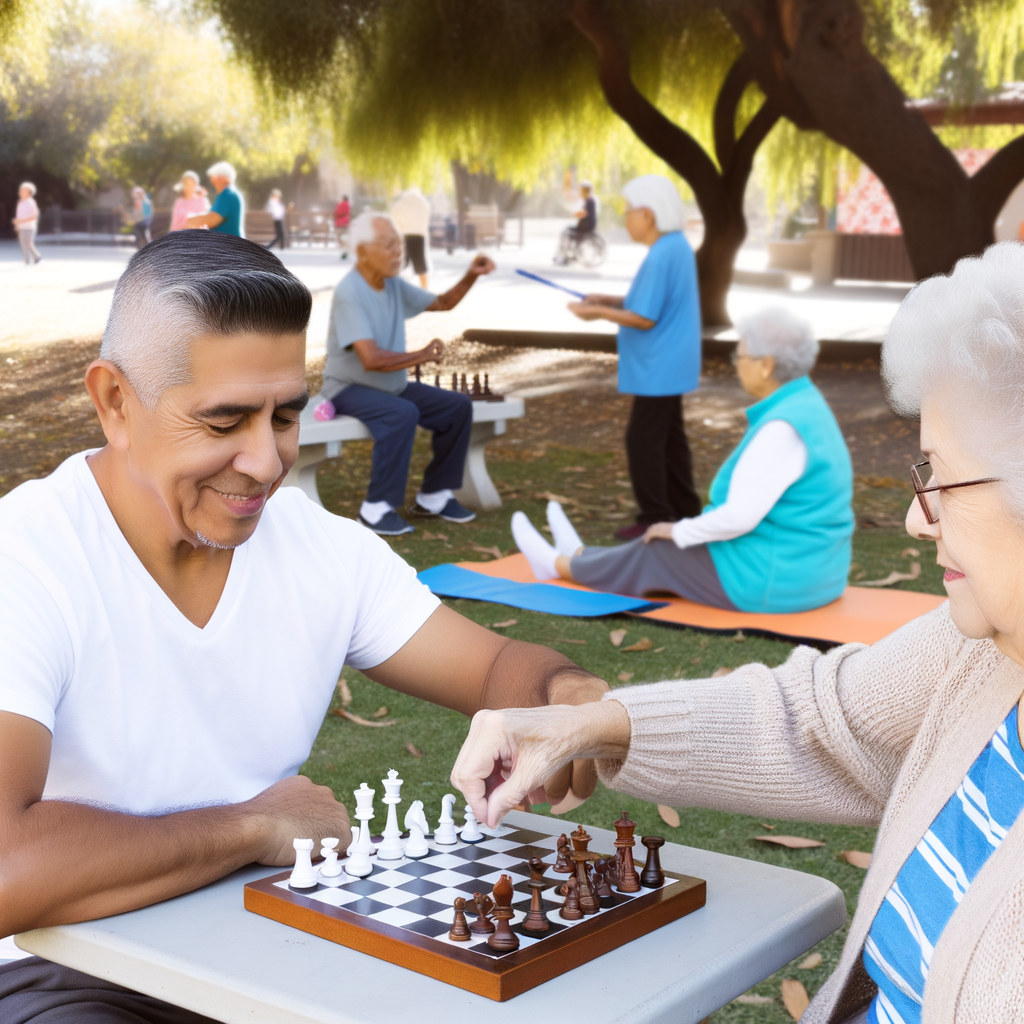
(586, 224)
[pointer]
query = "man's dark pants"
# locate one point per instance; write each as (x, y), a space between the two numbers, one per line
(34, 991)
(392, 421)
(660, 464)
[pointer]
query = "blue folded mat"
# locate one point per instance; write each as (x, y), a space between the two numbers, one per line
(454, 581)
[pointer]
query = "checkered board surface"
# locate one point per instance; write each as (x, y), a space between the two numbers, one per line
(414, 898)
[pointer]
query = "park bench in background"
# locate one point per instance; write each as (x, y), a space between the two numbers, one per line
(259, 226)
(319, 441)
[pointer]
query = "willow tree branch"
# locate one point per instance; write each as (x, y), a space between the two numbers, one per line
(724, 122)
(738, 171)
(991, 185)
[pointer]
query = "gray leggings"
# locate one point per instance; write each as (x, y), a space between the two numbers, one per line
(27, 238)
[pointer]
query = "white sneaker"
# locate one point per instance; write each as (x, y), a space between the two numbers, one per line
(539, 553)
(567, 540)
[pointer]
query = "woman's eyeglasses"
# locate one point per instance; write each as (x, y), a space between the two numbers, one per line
(921, 472)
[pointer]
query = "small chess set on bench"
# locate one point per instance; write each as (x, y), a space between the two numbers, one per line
(477, 391)
(478, 908)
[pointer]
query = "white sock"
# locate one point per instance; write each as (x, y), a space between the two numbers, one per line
(567, 540)
(435, 501)
(539, 553)
(373, 512)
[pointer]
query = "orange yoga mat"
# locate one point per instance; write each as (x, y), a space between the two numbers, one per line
(862, 614)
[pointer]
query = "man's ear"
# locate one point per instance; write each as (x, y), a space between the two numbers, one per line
(109, 390)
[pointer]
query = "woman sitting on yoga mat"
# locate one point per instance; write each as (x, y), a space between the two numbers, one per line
(776, 536)
(920, 734)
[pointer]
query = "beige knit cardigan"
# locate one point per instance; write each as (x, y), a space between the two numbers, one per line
(863, 736)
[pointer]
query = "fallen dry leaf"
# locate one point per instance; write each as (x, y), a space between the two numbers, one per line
(574, 469)
(643, 644)
(808, 964)
(617, 636)
(412, 750)
(764, 824)
(624, 677)
(894, 577)
(344, 692)
(658, 650)
(381, 712)
(505, 624)
(858, 858)
(794, 997)
(560, 498)
(752, 999)
(720, 671)
(344, 713)
(793, 842)
(669, 815)
(496, 551)
(566, 640)
(910, 553)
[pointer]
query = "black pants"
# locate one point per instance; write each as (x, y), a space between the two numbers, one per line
(278, 238)
(34, 991)
(660, 464)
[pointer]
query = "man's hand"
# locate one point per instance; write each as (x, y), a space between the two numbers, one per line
(598, 299)
(433, 353)
(508, 754)
(658, 531)
(482, 265)
(587, 310)
(296, 807)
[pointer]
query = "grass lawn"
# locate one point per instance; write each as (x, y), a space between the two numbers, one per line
(346, 754)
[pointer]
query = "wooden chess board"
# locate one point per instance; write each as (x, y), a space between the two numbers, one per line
(403, 910)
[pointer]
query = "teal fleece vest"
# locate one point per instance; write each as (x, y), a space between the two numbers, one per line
(798, 556)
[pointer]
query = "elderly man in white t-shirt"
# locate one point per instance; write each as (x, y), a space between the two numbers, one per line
(172, 624)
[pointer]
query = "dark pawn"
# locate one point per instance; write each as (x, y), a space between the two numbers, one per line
(562, 865)
(437, 380)
(536, 919)
(602, 886)
(418, 374)
(483, 925)
(455, 382)
(653, 877)
(571, 908)
(503, 938)
(460, 927)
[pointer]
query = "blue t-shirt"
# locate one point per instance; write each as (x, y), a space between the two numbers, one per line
(664, 360)
(359, 312)
(231, 206)
(937, 875)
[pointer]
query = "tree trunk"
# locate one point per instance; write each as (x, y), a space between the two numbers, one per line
(719, 193)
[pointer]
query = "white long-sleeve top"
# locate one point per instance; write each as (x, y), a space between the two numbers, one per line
(775, 458)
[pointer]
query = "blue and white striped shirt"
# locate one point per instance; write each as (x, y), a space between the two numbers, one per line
(936, 876)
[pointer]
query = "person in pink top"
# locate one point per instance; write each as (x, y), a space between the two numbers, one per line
(192, 200)
(26, 220)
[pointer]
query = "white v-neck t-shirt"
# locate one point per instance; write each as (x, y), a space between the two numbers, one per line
(149, 713)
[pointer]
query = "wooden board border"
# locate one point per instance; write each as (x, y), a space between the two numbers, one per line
(498, 979)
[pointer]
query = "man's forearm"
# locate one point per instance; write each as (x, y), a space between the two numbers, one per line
(528, 675)
(451, 298)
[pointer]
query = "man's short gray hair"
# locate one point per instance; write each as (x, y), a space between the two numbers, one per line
(961, 337)
(775, 331)
(657, 194)
(363, 230)
(193, 283)
(222, 169)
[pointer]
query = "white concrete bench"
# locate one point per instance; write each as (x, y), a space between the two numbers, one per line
(319, 441)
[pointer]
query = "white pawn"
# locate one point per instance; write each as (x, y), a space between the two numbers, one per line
(392, 848)
(417, 827)
(330, 870)
(358, 862)
(445, 834)
(471, 830)
(303, 875)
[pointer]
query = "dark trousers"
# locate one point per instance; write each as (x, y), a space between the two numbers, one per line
(392, 421)
(660, 464)
(34, 991)
(278, 238)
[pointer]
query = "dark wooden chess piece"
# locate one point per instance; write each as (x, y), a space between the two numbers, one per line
(629, 880)
(418, 374)
(455, 382)
(562, 865)
(536, 920)
(503, 938)
(465, 387)
(491, 396)
(571, 907)
(477, 391)
(483, 925)
(437, 380)
(602, 883)
(652, 877)
(460, 926)
(580, 855)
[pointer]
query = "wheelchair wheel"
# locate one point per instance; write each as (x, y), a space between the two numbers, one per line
(591, 250)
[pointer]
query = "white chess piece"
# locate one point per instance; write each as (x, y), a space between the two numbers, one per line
(392, 847)
(445, 834)
(303, 875)
(417, 827)
(358, 862)
(330, 870)
(471, 830)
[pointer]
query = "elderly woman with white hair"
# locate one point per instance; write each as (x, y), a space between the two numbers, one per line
(192, 199)
(776, 535)
(26, 221)
(919, 733)
(659, 353)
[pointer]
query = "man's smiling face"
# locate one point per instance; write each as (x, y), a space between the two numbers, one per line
(214, 450)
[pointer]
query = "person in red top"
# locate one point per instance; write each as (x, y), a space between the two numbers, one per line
(342, 217)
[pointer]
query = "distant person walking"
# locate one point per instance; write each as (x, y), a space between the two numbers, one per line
(277, 210)
(342, 220)
(26, 222)
(142, 217)
(227, 215)
(192, 200)
(411, 212)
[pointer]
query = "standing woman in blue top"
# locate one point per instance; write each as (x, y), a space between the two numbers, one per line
(659, 353)
(227, 215)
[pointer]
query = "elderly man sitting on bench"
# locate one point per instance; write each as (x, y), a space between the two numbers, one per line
(365, 377)
(167, 656)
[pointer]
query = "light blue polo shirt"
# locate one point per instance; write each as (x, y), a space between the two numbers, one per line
(231, 206)
(666, 359)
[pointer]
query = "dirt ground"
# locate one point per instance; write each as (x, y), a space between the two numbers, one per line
(46, 415)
